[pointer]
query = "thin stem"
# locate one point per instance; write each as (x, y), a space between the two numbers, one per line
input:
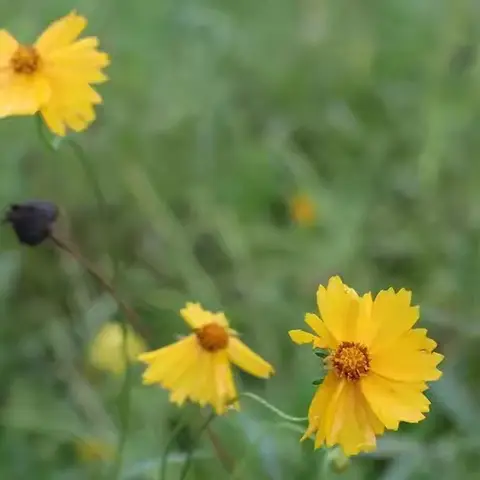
(99, 196)
(124, 400)
(273, 409)
(188, 460)
(42, 134)
(53, 145)
(173, 436)
(130, 314)
(90, 174)
(225, 458)
(125, 393)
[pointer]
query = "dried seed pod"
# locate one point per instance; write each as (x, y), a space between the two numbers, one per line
(32, 221)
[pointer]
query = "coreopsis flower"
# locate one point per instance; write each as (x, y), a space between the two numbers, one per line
(198, 367)
(107, 351)
(377, 366)
(52, 76)
(302, 210)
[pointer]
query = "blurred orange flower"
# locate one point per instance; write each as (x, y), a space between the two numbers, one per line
(302, 210)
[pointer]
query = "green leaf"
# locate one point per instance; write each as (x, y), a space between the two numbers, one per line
(321, 352)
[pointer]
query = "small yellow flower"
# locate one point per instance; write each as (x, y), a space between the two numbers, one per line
(92, 449)
(302, 210)
(377, 365)
(53, 75)
(107, 350)
(197, 367)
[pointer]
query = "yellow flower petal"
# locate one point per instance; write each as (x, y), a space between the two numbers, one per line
(366, 326)
(61, 33)
(23, 95)
(407, 366)
(409, 358)
(318, 407)
(62, 111)
(340, 415)
(351, 426)
(79, 62)
(248, 360)
(197, 317)
(393, 315)
(393, 402)
(163, 363)
(300, 337)
(225, 388)
(194, 380)
(339, 306)
(419, 340)
(8, 45)
(325, 339)
(207, 385)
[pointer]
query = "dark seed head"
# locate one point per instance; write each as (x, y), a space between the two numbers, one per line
(32, 220)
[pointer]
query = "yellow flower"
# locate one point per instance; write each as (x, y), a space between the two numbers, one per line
(377, 365)
(302, 210)
(53, 75)
(197, 367)
(92, 449)
(107, 351)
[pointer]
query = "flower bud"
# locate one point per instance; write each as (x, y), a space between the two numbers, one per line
(32, 221)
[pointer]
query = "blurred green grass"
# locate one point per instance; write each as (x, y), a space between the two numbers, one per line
(216, 114)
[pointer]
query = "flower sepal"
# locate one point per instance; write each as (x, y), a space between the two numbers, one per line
(321, 352)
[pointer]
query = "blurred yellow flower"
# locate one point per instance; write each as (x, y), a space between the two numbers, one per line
(53, 75)
(92, 449)
(197, 367)
(302, 210)
(107, 350)
(377, 366)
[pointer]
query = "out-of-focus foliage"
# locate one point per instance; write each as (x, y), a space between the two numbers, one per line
(217, 112)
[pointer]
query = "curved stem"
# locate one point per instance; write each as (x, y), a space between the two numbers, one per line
(92, 178)
(129, 313)
(188, 460)
(173, 436)
(223, 455)
(42, 134)
(272, 408)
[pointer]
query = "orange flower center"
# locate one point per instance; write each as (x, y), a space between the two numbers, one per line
(25, 60)
(350, 360)
(212, 337)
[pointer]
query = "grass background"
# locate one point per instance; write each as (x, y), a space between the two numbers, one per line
(216, 114)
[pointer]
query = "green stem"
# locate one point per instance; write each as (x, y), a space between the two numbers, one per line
(92, 178)
(124, 408)
(173, 436)
(42, 134)
(273, 409)
(188, 460)
(125, 393)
